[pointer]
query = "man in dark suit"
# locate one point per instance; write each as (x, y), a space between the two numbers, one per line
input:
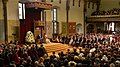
(40, 38)
(77, 41)
(63, 39)
(41, 51)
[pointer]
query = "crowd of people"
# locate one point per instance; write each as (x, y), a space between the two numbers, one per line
(90, 50)
(17, 55)
(88, 39)
(114, 11)
(101, 50)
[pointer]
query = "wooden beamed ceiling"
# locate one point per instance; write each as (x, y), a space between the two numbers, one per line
(93, 1)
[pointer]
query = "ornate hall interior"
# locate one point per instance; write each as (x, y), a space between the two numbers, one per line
(59, 33)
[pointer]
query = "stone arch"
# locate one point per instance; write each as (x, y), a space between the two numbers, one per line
(90, 28)
(79, 28)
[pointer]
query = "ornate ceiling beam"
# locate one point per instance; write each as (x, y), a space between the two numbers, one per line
(93, 1)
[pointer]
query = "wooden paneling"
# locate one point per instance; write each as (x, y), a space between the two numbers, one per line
(72, 27)
(64, 28)
(103, 19)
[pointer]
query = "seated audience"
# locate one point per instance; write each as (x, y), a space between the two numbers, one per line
(91, 50)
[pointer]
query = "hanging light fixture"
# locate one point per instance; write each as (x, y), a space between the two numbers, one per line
(43, 0)
(73, 2)
(92, 5)
(79, 3)
(88, 4)
(60, 1)
(51, 0)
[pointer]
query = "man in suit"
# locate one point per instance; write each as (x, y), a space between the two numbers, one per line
(40, 38)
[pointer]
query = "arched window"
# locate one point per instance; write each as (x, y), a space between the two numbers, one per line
(21, 7)
(54, 14)
(112, 26)
(55, 22)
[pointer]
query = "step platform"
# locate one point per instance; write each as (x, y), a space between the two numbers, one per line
(56, 47)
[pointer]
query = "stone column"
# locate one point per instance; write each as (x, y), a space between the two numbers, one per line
(95, 27)
(67, 14)
(116, 26)
(5, 18)
(105, 26)
(85, 16)
(45, 27)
